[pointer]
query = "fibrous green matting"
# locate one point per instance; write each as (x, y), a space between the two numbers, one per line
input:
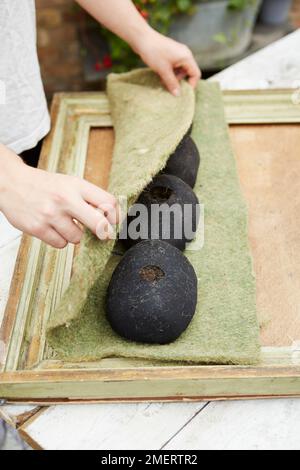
(149, 124)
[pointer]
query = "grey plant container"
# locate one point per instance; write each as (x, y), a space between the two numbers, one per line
(215, 33)
(275, 12)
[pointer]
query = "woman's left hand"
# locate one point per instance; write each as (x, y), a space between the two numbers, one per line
(172, 60)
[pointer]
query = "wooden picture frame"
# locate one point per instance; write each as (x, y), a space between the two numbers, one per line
(82, 136)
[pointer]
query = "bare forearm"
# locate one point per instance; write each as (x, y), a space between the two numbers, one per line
(171, 60)
(120, 17)
(7, 157)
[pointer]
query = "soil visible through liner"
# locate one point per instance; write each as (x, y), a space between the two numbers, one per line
(161, 194)
(151, 273)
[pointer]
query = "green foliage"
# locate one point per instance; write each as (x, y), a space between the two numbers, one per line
(240, 4)
(220, 38)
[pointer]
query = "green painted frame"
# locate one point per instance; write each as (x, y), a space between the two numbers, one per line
(36, 290)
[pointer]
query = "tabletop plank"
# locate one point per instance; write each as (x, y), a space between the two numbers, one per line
(113, 426)
(275, 66)
(244, 425)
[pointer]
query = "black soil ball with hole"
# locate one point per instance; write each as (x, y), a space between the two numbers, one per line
(184, 162)
(176, 227)
(152, 294)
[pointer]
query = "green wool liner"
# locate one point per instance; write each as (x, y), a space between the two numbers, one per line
(149, 124)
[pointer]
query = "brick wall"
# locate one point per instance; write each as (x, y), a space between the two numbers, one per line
(295, 13)
(58, 46)
(60, 51)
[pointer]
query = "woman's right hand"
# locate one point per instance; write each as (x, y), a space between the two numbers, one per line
(49, 205)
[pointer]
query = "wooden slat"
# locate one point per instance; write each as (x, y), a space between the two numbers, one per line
(15, 416)
(269, 169)
(151, 426)
(261, 107)
(178, 383)
(251, 425)
(11, 308)
(227, 425)
(99, 156)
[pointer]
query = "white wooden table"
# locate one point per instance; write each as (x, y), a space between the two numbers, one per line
(273, 424)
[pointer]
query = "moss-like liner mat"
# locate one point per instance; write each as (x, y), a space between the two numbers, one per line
(149, 124)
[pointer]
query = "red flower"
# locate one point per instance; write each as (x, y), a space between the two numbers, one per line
(107, 62)
(144, 14)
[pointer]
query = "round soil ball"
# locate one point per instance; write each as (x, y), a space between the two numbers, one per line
(152, 295)
(170, 213)
(184, 162)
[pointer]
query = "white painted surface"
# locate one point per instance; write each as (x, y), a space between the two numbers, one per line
(244, 425)
(276, 66)
(271, 424)
(100, 427)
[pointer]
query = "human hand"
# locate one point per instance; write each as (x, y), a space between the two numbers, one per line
(172, 60)
(49, 206)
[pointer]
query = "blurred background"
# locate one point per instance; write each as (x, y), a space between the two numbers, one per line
(76, 53)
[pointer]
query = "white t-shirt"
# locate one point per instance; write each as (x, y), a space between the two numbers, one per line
(24, 117)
